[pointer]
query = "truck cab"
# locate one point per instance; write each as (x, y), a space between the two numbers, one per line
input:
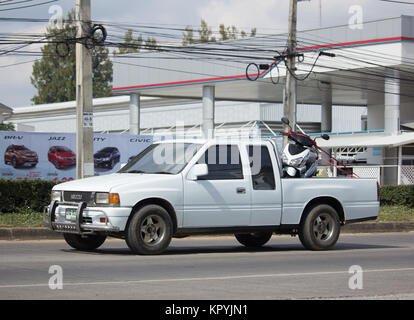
(192, 186)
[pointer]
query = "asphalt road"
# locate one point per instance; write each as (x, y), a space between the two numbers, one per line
(212, 268)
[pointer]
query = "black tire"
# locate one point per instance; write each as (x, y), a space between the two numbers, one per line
(320, 228)
(149, 231)
(14, 162)
(256, 239)
(85, 243)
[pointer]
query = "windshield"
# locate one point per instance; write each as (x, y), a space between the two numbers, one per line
(165, 158)
(63, 149)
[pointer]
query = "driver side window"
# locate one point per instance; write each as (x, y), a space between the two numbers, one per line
(223, 163)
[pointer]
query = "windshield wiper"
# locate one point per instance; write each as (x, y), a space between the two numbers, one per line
(141, 171)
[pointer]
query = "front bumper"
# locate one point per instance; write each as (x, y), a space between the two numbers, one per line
(87, 219)
(102, 163)
(27, 161)
(66, 163)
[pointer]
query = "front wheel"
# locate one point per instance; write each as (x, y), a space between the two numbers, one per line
(14, 162)
(150, 230)
(256, 239)
(84, 243)
(320, 228)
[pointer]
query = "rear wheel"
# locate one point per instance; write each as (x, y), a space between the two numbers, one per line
(150, 230)
(320, 229)
(84, 243)
(255, 239)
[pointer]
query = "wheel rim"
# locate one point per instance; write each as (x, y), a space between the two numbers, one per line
(323, 227)
(152, 230)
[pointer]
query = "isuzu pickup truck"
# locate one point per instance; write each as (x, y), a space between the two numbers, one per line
(186, 187)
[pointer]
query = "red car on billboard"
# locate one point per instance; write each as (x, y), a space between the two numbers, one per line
(61, 157)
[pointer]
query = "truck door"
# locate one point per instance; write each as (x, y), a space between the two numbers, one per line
(222, 198)
(265, 186)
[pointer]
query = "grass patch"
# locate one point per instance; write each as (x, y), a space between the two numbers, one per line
(395, 214)
(22, 218)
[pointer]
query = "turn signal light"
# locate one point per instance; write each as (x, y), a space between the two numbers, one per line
(114, 198)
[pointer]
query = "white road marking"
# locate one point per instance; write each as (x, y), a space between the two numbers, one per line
(204, 278)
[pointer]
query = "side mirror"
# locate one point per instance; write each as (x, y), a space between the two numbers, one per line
(198, 170)
(325, 137)
(285, 121)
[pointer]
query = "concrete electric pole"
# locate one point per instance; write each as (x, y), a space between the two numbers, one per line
(84, 107)
(289, 107)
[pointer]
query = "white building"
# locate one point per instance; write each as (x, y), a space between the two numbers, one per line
(369, 76)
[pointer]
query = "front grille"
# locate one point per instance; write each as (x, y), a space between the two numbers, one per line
(78, 196)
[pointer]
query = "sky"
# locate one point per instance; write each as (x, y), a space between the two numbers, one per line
(268, 16)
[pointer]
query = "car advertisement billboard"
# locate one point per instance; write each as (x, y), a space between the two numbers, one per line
(52, 156)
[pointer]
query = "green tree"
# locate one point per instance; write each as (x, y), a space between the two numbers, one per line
(231, 33)
(151, 44)
(206, 34)
(54, 76)
(7, 127)
(188, 36)
(131, 45)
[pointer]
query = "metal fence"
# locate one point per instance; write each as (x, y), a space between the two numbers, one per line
(405, 174)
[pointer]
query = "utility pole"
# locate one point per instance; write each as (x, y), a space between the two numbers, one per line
(84, 107)
(289, 107)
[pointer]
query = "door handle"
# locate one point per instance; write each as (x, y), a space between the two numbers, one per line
(241, 190)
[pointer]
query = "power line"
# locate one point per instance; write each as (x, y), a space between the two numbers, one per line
(9, 2)
(29, 6)
(394, 1)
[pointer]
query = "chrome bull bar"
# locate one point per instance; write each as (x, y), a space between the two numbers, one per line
(49, 217)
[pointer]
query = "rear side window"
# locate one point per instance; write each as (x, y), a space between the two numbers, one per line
(223, 163)
(261, 167)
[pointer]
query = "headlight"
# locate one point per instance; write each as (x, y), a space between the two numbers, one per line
(296, 162)
(56, 195)
(107, 198)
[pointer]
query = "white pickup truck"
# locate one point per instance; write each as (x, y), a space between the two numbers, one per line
(185, 187)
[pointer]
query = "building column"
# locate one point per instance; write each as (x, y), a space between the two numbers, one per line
(134, 113)
(392, 103)
(391, 124)
(208, 112)
(326, 108)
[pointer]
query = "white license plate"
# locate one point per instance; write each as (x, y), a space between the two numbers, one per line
(70, 214)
